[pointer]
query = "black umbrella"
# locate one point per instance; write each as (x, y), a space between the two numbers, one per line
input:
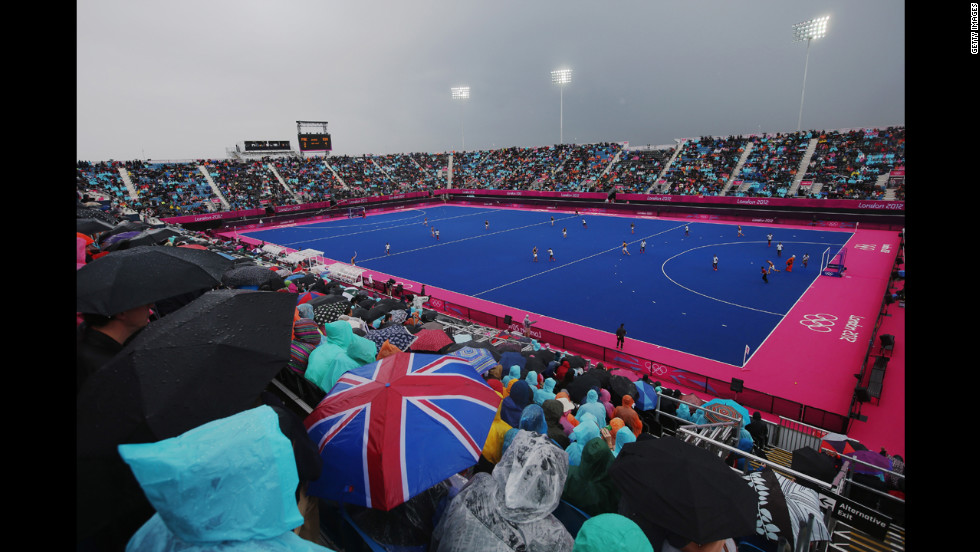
(327, 299)
(92, 226)
(579, 388)
(139, 276)
(684, 489)
(813, 463)
(210, 359)
(619, 387)
(252, 275)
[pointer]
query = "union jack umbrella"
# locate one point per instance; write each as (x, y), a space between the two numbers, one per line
(391, 429)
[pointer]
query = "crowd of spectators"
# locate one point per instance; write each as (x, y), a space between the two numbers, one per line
(247, 184)
(704, 166)
(636, 171)
(773, 163)
(845, 165)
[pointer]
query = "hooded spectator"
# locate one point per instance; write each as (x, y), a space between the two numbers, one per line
(589, 486)
(510, 509)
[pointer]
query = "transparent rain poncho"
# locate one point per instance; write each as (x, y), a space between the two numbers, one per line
(510, 509)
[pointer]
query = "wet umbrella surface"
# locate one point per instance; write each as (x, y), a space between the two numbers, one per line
(139, 276)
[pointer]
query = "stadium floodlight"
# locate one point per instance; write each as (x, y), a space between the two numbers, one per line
(461, 93)
(561, 77)
(808, 30)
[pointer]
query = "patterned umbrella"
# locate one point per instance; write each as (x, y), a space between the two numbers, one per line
(481, 359)
(802, 502)
(399, 336)
(400, 316)
(774, 519)
(430, 341)
(325, 313)
(85, 212)
(729, 409)
(393, 428)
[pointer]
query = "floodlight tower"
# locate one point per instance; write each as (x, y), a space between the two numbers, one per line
(808, 30)
(461, 93)
(561, 77)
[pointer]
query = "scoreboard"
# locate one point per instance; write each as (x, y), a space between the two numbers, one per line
(314, 142)
(266, 145)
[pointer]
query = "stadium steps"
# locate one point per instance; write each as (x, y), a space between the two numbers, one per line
(658, 188)
(804, 163)
(846, 538)
(335, 175)
(282, 182)
(124, 174)
(749, 146)
(214, 188)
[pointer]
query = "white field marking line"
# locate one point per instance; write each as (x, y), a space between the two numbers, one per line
(664, 272)
(459, 240)
(290, 244)
(816, 278)
(568, 264)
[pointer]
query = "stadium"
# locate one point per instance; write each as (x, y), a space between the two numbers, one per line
(380, 341)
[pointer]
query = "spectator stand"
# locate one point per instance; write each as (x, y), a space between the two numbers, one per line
(635, 170)
(771, 164)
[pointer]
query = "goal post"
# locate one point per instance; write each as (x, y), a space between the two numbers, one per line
(832, 262)
(356, 212)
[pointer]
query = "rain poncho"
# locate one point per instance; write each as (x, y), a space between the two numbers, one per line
(592, 406)
(514, 373)
(513, 405)
(589, 487)
(532, 419)
(532, 379)
(585, 431)
(623, 436)
(605, 400)
(510, 509)
(340, 351)
(546, 392)
(226, 485)
(611, 532)
(630, 418)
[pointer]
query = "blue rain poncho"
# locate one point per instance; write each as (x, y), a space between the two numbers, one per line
(546, 392)
(585, 431)
(515, 373)
(592, 406)
(227, 485)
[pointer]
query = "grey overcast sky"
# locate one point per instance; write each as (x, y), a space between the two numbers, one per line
(187, 79)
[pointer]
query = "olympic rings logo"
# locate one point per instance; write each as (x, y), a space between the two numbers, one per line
(656, 369)
(818, 322)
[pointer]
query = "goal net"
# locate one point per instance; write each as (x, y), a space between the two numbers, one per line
(356, 212)
(832, 262)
